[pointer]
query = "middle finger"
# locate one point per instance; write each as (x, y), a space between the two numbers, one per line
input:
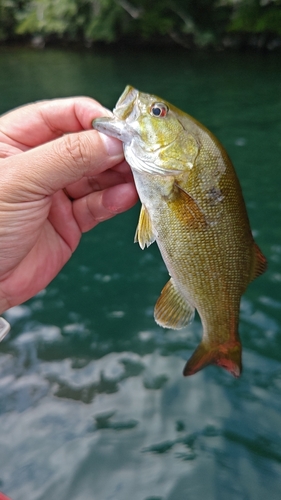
(109, 178)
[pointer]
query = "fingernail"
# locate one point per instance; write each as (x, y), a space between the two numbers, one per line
(113, 146)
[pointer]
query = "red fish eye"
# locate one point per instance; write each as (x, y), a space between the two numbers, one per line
(159, 109)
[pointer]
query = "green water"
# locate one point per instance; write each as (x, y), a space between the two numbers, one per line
(93, 405)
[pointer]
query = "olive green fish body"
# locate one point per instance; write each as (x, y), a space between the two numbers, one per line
(192, 206)
(210, 270)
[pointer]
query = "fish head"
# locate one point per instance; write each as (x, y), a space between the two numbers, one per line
(154, 134)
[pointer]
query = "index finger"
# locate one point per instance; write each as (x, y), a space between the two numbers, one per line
(41, 122)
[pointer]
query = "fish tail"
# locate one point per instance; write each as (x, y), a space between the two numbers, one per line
(226, 355)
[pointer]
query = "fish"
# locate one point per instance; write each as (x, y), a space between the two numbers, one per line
(193, 207)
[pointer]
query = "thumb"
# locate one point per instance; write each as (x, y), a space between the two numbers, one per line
(44, 170)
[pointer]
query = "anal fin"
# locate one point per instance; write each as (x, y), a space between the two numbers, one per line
(171, 309)
(227, 355)
(144, 232)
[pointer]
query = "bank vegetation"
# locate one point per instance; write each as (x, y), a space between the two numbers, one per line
(190, 23)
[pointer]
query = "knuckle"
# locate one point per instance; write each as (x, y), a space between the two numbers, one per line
(76, 149)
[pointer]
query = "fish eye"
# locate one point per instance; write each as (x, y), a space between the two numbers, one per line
(159, 109)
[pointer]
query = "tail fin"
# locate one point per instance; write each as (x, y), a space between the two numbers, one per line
(227, 356)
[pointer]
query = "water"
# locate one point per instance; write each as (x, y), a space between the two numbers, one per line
(93, 404)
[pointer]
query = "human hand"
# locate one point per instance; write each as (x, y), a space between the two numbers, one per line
(3, 497)
(58, 179)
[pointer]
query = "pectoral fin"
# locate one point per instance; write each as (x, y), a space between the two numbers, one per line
(186, 209)
(144, 232)
(171, 309)
(226, 355)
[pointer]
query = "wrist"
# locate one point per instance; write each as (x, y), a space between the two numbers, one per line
(4, 325)
(4, 328)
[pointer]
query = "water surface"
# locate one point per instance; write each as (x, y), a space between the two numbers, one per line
(93, 404)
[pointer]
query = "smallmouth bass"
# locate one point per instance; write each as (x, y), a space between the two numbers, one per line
(192, 206)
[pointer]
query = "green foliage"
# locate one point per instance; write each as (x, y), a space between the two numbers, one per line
(48, 16)
(256, 16)
(8, 9)
(104, 21)
(188, 22)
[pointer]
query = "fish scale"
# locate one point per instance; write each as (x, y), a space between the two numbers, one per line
(193, 207)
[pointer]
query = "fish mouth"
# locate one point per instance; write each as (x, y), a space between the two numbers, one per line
(124, 113)
(126, 103)
(114, 128)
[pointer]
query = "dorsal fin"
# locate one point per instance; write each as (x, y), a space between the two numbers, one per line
(259, 263)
